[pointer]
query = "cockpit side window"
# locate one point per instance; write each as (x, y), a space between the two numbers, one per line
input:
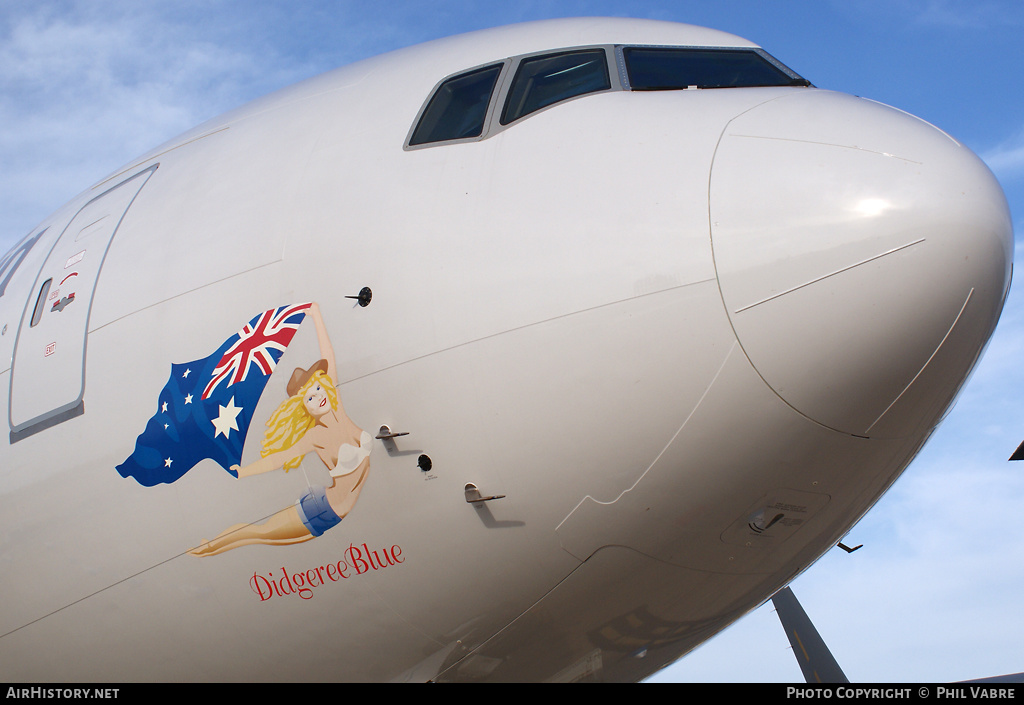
(660, 69)
(541, 81)
(458, 107)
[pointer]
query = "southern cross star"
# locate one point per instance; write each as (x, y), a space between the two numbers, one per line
(225, 420)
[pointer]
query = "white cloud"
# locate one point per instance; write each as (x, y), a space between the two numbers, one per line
(973, 15)
(1006, 160)
(84, 90)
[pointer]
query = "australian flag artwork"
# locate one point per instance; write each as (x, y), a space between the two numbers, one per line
(205, 409)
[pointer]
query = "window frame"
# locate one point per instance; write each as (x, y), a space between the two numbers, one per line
(485, 132)
(501, 96)
(618, 77)
(620, 59)
(492, 121)
(609, 58)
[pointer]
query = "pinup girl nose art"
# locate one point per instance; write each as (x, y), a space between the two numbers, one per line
(206, 408)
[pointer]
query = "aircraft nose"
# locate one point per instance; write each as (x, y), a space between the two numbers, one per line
(863, 256)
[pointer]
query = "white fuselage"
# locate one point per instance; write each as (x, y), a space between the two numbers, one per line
(690, 336)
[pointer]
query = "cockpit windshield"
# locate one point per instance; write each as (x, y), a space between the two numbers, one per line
(477, 104)
(545, 80)
(660, 69)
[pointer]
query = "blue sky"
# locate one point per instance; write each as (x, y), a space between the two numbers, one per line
(934, 595)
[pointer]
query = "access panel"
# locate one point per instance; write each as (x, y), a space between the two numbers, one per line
(48, 372)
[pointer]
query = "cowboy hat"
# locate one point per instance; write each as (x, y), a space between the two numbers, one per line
(301, 376)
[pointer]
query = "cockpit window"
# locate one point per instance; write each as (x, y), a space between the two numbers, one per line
(659, 69)
(544, 80)
(458, 107)
(479, 103)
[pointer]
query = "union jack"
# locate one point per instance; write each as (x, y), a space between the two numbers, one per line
(260, 344)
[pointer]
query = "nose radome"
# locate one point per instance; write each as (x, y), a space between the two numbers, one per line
(863, 256)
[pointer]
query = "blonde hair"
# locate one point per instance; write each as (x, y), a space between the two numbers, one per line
(291, 420)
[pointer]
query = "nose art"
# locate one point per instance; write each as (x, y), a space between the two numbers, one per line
(863, 256)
